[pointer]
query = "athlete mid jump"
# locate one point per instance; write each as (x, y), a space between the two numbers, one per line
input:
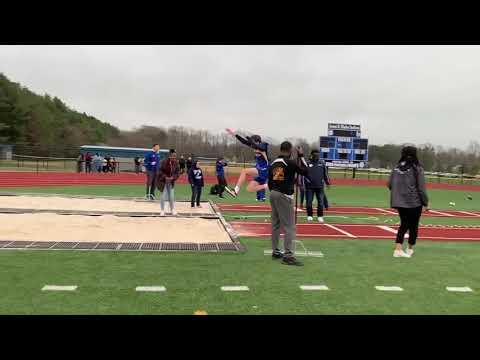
(259, 172)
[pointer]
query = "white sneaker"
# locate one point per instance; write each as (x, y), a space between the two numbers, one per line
(400, 253)
(409, 252)
(162, 213)
(320, 219)
(309, 218)
(237, 190)
(174, 213)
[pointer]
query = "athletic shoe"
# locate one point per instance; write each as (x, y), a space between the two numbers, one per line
(162, 213)
(400, 253)
(309, 218)
(277, 255)
(174, 213)
(320, 220)
(409, 252)
(231, 192)
(290, 260)
(237, 190)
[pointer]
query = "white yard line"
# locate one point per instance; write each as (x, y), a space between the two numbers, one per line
(150, 288)
(389, 229)
(459, 289)
(235, 288)
(341, 231)
(59, 288)
(388, 288)
(441, 213)
(314, 287)
(469, 213)
(386, 211)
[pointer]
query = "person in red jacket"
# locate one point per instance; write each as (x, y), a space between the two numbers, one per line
(169, 172)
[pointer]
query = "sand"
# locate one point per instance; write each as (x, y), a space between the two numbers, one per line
(110, 228)
(97, 204)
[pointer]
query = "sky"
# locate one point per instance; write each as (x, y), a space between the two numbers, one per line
(398, 94)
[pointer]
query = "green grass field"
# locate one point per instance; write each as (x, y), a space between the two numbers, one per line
(351, 269)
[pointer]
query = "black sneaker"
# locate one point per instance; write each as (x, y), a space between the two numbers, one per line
(277, 255)
(290, 260)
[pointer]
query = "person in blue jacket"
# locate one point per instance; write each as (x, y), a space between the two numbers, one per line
(152, 163)
(220, 172)
(259, 172)
(195, 178)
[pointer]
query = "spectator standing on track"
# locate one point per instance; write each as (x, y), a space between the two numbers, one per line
(137, 163)
(314, 185)
(181, 163)
(168, 173)
(195, 178)
(281, 182)
(151, 167)
(408, 195)
(88, 163)
(97, 163)
(189, 163)
(104, 165)
(80, 163)
(220, 172)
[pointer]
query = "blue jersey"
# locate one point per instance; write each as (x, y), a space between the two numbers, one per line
(220, 168)
(152, 161)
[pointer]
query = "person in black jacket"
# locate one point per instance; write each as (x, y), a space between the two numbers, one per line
(408, 195)
(281, 182)
(181, 163)
(314, 184)
(189, 164)
(195, 178)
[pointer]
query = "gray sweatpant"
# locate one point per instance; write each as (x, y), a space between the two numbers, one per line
(283, 215)
(151, 182)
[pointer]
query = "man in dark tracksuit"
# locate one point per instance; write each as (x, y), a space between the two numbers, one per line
(317, 176)
(220, 171)
(281, 182)
(152, 163)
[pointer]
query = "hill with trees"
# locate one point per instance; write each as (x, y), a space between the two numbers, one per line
(45, 126)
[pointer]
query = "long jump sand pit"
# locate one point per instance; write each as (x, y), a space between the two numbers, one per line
(56, 222)
(106, 205)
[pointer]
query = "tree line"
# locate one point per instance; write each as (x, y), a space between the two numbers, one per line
(45, 126)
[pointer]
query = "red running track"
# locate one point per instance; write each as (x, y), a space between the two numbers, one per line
(351, 210)
(29, 179)
(353, 231)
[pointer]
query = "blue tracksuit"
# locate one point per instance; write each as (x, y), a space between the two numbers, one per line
(152, 161)
(220, 168)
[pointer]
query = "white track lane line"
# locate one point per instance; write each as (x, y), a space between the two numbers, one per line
(441, 213)
(341, 231)
(469, 213)
(235, 288)
(150, 288)
(386, 211)
(389, 229)
(59, 288)
(388, 288)
(314, 287)
(459, 289)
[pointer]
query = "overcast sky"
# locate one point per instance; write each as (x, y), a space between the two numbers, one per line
(397, 94)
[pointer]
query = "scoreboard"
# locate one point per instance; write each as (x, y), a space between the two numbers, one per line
(344, 146)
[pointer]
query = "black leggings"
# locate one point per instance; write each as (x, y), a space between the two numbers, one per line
(409, 219)
(196, 193)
